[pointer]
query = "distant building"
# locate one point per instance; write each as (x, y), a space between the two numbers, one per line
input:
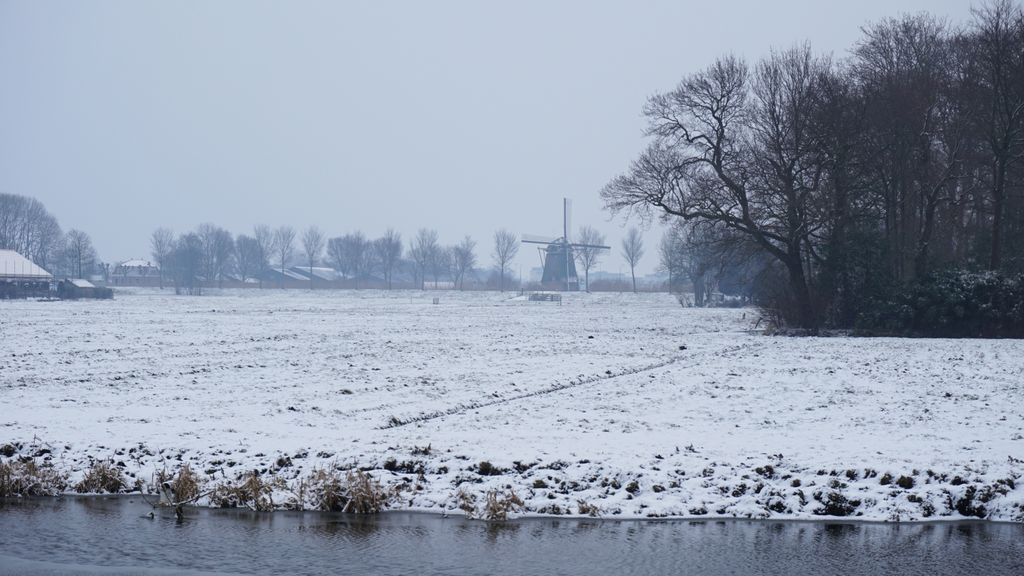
(21, 278)
(136, 273)
(74, 289)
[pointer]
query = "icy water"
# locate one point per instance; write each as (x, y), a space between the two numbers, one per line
(114, 536)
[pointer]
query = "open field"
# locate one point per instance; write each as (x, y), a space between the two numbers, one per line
(628, 403)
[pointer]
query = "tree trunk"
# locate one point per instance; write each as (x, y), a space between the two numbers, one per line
(998, 205)
(801, 291)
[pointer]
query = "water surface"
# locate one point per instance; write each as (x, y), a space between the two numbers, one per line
(115, 535)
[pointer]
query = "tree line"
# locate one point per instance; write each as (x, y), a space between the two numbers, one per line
(27, 227)
(835, 187)
(209, 255)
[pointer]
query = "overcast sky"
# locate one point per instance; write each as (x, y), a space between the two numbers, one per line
(460, 116)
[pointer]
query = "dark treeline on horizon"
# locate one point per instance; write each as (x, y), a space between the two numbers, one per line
(883, 190)
(211, 256)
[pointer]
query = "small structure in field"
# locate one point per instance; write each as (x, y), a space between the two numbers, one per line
(22, 278)
(546, 297)
(75, 289)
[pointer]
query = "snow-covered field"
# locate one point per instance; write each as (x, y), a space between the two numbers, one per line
(625, 402)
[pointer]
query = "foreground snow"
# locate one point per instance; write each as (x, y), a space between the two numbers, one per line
(627, 403)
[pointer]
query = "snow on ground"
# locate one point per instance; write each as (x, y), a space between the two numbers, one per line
(625, 402)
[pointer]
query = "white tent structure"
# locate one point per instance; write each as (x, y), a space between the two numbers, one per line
(20, 277)
(16, 268)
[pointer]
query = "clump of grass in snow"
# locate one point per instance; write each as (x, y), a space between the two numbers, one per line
(252, 491)
(185, 486)
(26, 478)
(587, 509)
(498, 505)
(326, 490)
(102, 477)
(365, 494)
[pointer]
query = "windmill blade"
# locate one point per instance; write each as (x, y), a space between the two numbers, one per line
(591, 246)
(534, 239)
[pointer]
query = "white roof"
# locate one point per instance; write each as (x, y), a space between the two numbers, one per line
(14, 266)
(137, 263)
(80, 283)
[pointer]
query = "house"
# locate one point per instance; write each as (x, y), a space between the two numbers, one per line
(136, 272)
(21, 278)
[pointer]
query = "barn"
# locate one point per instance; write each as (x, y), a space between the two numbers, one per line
(22, 278)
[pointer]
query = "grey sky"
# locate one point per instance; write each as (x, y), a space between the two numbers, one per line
(460, 116)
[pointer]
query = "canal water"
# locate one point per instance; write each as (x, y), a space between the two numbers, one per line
(117, 536)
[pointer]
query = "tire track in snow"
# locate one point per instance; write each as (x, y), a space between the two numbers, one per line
(395, 422)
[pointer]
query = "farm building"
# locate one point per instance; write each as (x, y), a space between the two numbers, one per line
(20, 277)
(136, 273)
(75, 289)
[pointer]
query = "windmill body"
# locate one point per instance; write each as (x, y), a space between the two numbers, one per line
(559, 256)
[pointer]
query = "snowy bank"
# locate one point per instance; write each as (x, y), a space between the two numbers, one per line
(620, 405)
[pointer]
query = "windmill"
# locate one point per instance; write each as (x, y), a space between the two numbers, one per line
(558, 255)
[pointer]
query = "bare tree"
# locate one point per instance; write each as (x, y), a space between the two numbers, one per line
(589, 254)
(184, 264)
(506, 246)
(218, 250)
(284, 245)
(29, 229)
(632, 251)
(79, 253)
(463, 259)
(265, 247)
(313, 245)
(738, 151)
(247, 257)
(161, 244)
(388, 251)
(424, 251)
(998, 34)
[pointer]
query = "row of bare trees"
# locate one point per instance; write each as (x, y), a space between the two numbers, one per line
(210, 255)
(27, 227)
(847, 179)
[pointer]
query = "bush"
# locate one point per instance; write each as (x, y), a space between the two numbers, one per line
(952, 304)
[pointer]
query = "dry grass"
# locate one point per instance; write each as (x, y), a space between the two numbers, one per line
(365, 494)
(326, 490)
(498, 505)
(466, 502)
(26, 478)
(251, 491)
(587, 509)
(102, 477)
(185, 486)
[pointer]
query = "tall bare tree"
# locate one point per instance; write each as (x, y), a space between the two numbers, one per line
(633, 251)
(506, 246)
(218, 250)
(589, 254)
(388, 250)
(425, 253)
(265, 247)
(737, 150)
(463, 258)
(247, 257)
(313, 246)
(998, 53)
(284, 246)
(161, 244)
(79, 253)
